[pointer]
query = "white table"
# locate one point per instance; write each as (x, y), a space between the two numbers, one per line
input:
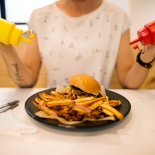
(135, 135)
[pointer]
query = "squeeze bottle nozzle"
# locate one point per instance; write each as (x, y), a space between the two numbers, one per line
(146, 35)
(10, 34)
(135, 41)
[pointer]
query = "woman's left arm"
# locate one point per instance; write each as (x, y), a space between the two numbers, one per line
(130, 73)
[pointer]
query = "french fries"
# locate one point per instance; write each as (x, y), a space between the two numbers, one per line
(113, 110)
(63, 105)
(114, 103)
(45, 109)
(59, 102)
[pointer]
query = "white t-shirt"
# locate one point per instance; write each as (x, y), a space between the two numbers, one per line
(86, 44)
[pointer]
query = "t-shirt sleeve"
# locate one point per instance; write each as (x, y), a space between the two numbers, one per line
(126, 23)
(32, 22)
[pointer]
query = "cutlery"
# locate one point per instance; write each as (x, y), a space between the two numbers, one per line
(9, 106)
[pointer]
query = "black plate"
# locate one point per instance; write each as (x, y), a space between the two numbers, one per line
(124, 108)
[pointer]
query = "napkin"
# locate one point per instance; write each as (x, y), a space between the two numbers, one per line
(11, 126)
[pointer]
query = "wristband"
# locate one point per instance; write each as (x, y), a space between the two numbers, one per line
(144, 64)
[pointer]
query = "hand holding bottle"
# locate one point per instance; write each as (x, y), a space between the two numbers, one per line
(146, 36)
(149, 53)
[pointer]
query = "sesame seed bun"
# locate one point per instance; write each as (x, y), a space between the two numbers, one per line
(86, 83)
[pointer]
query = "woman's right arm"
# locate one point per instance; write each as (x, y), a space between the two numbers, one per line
(23, 70)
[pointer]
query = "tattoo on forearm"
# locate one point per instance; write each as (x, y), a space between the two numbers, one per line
(17, 74)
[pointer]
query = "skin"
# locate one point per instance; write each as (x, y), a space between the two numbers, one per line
(25, 70)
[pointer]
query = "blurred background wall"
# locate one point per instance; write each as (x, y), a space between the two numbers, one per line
(139, 11)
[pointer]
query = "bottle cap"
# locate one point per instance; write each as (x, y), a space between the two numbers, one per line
(17, 36)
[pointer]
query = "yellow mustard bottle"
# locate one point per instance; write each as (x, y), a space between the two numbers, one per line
(10, 34)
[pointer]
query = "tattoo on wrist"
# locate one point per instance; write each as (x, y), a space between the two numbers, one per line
(17, 74)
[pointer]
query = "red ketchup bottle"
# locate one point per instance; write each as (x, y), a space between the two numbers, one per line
(146, 35)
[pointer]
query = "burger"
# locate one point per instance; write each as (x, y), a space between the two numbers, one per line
(85, 84)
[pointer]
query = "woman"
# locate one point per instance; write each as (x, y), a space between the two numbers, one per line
(78, 36)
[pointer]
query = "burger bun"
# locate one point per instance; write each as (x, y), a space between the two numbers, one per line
(85, 83)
